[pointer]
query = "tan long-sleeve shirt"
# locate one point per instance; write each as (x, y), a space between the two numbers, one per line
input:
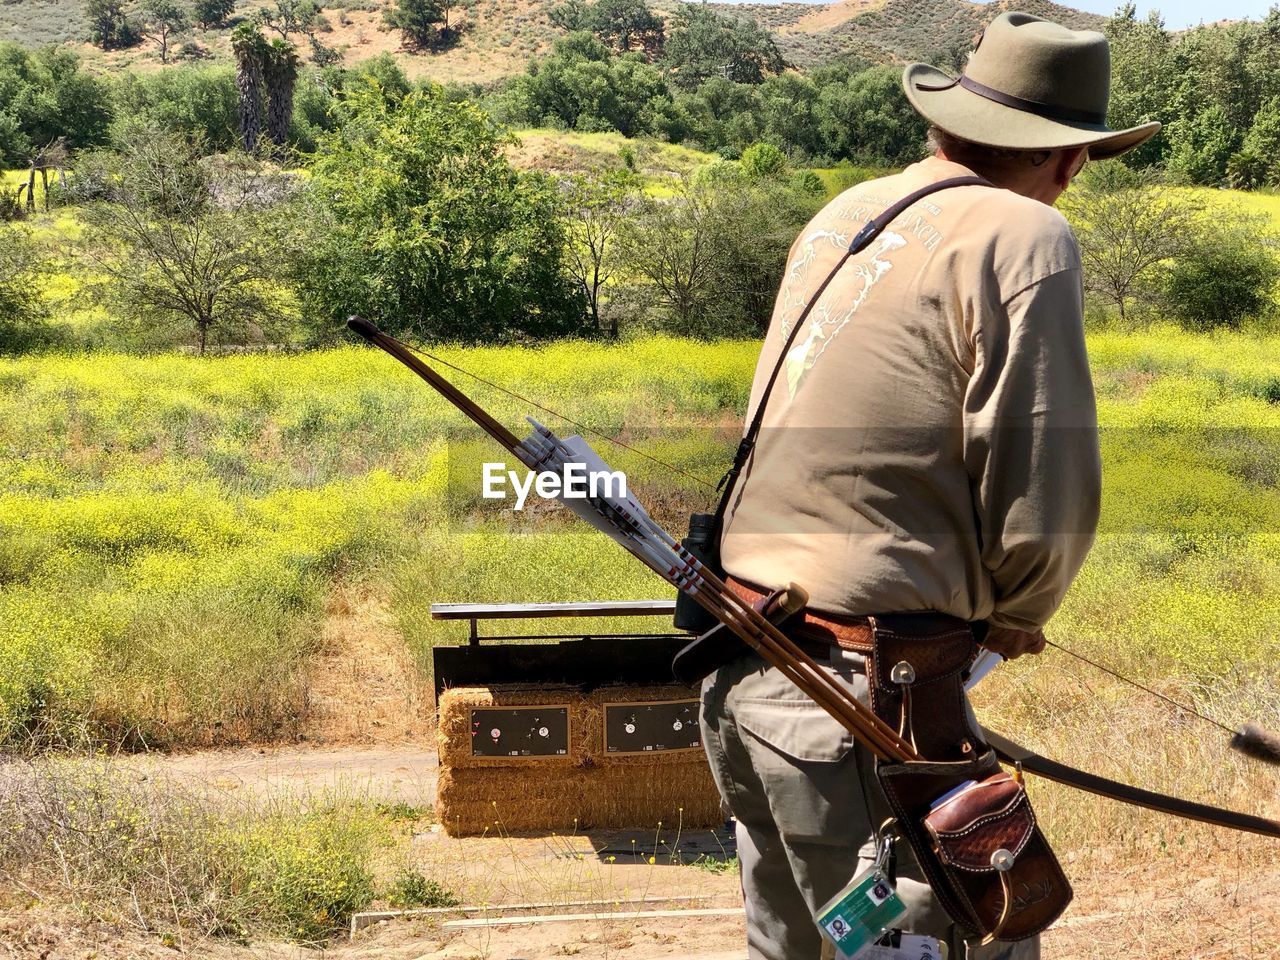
(932, 441)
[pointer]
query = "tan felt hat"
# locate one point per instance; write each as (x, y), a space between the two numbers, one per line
(1029, 85)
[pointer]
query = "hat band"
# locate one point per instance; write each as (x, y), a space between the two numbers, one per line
(1050, 111)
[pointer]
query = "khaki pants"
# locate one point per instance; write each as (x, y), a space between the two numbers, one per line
(807, 802)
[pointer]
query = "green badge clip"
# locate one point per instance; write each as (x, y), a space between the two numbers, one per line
(860, 914)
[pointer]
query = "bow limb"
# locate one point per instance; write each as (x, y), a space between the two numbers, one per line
(451, 393)
(1015, 754)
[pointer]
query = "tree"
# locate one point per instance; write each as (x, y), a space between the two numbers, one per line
(252, 52)
(109, 25)
(161, 20)
(44, 95)
(200, 102)
(722, 115)
(422, 226)
(1201, 146)
(789, 111)
(713, 255)
(706, 44)
(597, 207)
(448, 6)
(418, 20)
(179, 246)
(1142, 78)
(571, 16)
(1248, 168)
(867, 118)
(627, 26)
(288, 17)
(382, 72)
(212, 13)
(581, 86)
(1128, 227)
(280, 75)
(1258, 162)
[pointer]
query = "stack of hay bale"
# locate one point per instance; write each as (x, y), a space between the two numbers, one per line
(591, 786)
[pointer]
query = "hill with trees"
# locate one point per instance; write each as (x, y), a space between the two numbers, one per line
(483, 40)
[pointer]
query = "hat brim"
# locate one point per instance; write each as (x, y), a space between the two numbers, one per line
(974, 118)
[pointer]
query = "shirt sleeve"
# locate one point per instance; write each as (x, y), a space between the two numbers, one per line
(1031, 448)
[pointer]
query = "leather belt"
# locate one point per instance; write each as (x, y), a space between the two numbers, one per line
(816, 632)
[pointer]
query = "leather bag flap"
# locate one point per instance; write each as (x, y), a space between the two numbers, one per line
(936, 655)
(991, 815)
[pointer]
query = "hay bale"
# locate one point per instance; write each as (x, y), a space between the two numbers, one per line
(472, 801)
(645, 795)
(587, 789)
(475, 801)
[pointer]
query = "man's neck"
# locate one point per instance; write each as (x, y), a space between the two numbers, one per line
(1028, 181)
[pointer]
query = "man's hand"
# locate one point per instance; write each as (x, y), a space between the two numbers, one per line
(1012, 644)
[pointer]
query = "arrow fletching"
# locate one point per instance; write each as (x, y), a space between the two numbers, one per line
(1253, 741)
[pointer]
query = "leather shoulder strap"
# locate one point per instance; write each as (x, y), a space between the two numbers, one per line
(858, 244)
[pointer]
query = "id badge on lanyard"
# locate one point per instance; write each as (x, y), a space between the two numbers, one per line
(861, 913)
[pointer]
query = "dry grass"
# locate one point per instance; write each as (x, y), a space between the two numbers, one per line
(485, 50)
(828, 15)
(182, 864)
(1071, 714)
(362, 684)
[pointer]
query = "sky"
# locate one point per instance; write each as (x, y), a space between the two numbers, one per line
(1183, 13)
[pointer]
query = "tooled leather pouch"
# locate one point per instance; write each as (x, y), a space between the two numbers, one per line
(936, 655)
(955, 844)
(988, 832)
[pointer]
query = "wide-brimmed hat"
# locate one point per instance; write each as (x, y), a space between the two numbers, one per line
(1030, 84)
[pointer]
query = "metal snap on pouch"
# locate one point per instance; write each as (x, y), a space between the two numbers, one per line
(861, 913)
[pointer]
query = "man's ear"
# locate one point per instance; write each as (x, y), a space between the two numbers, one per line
(1066, 167)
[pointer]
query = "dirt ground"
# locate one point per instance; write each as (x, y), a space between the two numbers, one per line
(1164, 910)
(369, 734)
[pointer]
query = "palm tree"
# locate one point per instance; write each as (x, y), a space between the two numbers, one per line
(281, 76)
(252, 53)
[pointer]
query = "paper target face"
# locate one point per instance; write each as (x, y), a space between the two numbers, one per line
(651, 727)
(535, 731)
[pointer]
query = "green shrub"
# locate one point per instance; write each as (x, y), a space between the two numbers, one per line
(447, 240)
(23, 325)
(761, 160)
(411, 888)
(45, 95)
(808, 182)
(713, 255)
(305, 876)
(197, 102)
(1226, 277)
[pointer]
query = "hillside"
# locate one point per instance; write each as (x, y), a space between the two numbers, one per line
(499, 37)
(891, 31)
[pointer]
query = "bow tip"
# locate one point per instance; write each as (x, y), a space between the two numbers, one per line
(362, 326)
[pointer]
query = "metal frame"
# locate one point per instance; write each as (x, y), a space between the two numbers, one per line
(581, 659)
(475, 612)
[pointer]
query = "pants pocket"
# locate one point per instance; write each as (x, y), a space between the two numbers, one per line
(798, 729)
(807, 765)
